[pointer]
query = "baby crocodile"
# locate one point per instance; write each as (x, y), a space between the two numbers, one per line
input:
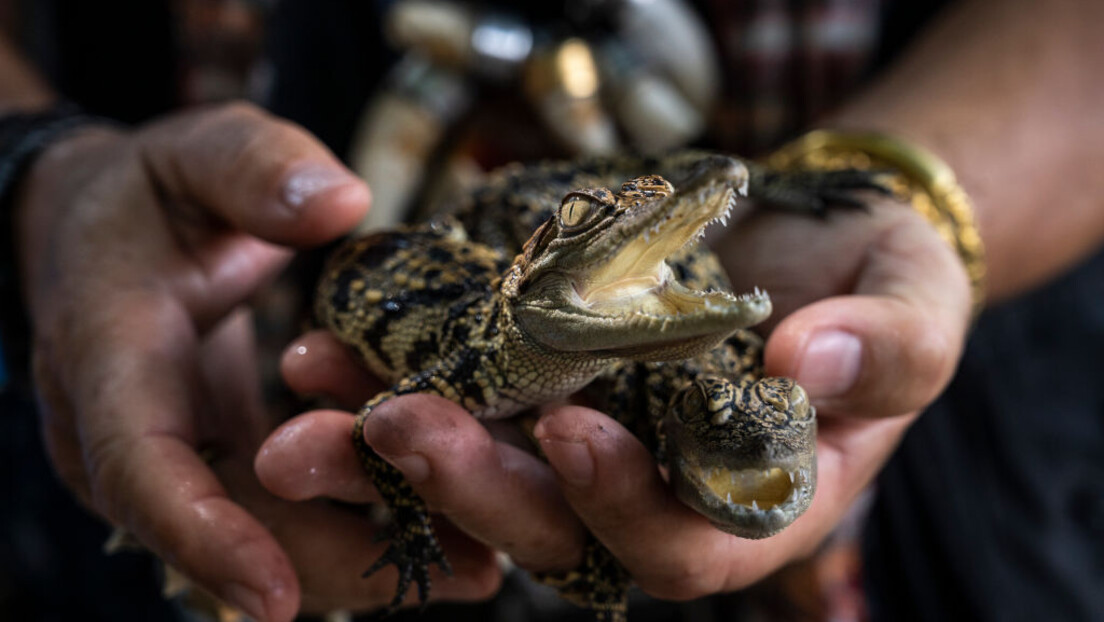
(605, 285)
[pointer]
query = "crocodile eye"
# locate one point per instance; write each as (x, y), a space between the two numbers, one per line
(574, 211)
(694, 400)
(693, 404)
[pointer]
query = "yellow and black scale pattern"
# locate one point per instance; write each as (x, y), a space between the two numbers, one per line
(419, 305)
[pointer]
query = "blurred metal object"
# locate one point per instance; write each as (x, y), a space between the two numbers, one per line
(653, 112)
(492, 45)
(439, 30)
(399, 132)
(500, 44)
(671, 37)
(563, 83)
(645, 75)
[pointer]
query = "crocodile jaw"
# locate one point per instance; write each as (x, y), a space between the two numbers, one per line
(744, 451)
(636, 278)
(628, 302)
(750, 503)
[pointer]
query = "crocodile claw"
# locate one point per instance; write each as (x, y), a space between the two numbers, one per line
(815, 192)
(413, 547)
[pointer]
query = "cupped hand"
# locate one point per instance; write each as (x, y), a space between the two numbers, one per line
(871, 309)
(475, 478)
(870, 313)
(135, 248)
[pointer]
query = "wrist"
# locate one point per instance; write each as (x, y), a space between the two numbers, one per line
(915, 175)
(23, 137)
(42, 194)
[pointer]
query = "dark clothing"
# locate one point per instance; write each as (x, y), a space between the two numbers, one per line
(993, 507)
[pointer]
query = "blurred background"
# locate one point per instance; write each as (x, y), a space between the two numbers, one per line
(422, 98)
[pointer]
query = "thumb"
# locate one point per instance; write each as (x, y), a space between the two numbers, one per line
(262, 175)
(890, 348)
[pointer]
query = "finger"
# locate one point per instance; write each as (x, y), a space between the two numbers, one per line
(318, 364)
(495, 492)
(137, 431)
(312, 456)
(332, 546)
(670, 550)
(612, 482)
(891, 348)
(628, 507)
(342, 544)
(263, 175)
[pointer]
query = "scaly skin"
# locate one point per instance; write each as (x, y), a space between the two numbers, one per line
(589, 294)
(435, 313)
(740, 447)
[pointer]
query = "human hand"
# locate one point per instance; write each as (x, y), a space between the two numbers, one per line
(135, 247)
(471, 477)
(871, 310)
(884, 277)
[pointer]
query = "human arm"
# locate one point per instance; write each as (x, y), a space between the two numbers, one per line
(1009, 95)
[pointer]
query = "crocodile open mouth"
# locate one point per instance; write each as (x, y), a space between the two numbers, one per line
(755, 488)
(614, 294)
(751, 502)
(636, 279)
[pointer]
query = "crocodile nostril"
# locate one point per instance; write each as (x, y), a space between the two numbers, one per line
(770, 393)
(799, 402)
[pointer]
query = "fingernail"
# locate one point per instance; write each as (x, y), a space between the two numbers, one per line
(246, 599)
(571, 459)
(830, 364)
(414, 467)
(313, 178)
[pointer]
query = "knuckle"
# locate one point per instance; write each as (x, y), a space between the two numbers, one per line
(244, 131)
(932, 358)
(238, 112)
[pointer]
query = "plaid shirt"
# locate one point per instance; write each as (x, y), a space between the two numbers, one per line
(787, 63)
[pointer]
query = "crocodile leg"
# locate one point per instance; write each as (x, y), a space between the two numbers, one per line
(812, 192)
(413, 542)
(600, 583)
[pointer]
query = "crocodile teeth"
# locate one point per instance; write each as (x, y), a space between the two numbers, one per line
(792, 498)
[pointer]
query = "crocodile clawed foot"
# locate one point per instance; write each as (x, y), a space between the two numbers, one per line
(817, 192)
(412, 549)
